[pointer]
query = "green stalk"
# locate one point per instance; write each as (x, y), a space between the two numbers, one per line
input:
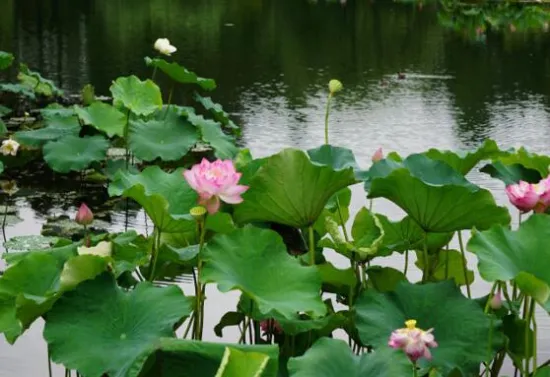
(191, 322)
(311, 246)
(154, 73)
(364, 274)
(169, 99)
(49, 363)
(464, 264)
(426, 271)
(534, 321)
(406, 263)
(490, 342)
(126, 128)
(327, 112)
(243, 333)
(155, 252)
(415, 370)
(447, 262)
(526, 317)
(200, 289)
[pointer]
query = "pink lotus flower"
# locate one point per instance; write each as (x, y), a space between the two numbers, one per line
(414, 341)
(84, 216)
(496, 301)
(378, 155)
(527, 196)
(214, 181)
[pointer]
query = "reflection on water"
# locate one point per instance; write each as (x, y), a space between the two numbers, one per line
(272, 60)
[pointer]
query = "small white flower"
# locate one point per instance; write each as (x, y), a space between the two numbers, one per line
(102, 249)
(163, 46)
(9, 146)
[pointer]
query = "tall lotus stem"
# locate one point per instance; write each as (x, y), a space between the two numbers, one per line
(534, 321)
(49, 363)
(126, 131)
(490, 342)
(415, 370)
(155, 252)
(464, 264)
(406, 268)
(334, 87)
(199, 213)
(311, 246)
(426, 271)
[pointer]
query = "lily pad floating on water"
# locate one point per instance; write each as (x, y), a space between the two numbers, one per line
(521, 255)
(334, 358)
(435, 195)
(73, 153)
(30, 242)
(255, 261)
(58, 125)
(440, 306)
(290, 189)
(97, 312)
(65, 227)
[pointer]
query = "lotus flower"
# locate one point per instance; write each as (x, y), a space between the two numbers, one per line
(334, 86)
(84, 216)
(414, 341)
(9, 187)
(163, 46)
(215, 181)
(9, 147)
(378, 155)
(527, 196)
(496, 301)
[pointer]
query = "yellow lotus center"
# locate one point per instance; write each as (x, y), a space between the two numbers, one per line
(411, 324)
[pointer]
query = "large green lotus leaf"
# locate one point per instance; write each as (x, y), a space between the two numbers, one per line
(522, 255)
(237, 363)
(333, 358)
(187, 358)
(384, 279)
(167, 136)
(540, 163)
(79, 269)
(255, 261)
(181, 74)
(291, 189)
(26, 292)
(336, 280)
(337, 158)
(436, 196)
(6, 59)
(464, 161)
(99, 316)
(510, 174)
(103, 117)
(543, 372)
(141, 97)
(73, 153)
(18, 89)
(216, 110)
(460, 327)
(35, 82)
(57, 127)
(166, 197)
(212, 133)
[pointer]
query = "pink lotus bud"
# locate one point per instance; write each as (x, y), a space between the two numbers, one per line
(415, 342)
(378, 155)
(523, 195)
(496, 301)
(214, 181)
(84, 216)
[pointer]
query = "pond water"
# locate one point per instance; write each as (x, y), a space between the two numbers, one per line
(272, 60)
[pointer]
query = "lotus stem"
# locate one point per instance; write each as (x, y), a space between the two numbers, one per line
(426, 271)
(527, 317)
(342, 223)
(169, 100)
(243, 333)
(406, 263)
(490, 342)
(415, 370)
(464, 264)
(155, 252)
(364, 273)
(154, 73)
(534, 321)
(188, 328)
(4, 223)
(199, 292)
(311, 246)
(370, 204)
(126, 129)
(49, 363)
(447, 262)
(327, 112)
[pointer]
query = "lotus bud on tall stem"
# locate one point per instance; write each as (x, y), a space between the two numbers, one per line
(334, 87)
(84, 216)
(199, 213)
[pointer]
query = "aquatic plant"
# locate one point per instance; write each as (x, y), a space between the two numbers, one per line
(111, 307)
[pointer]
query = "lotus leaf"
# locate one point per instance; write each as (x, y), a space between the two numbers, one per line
(216, 110)
(255, 261)
(236, 363)
(166, 197)
(57, 127)
(140, 97)
(106, 317)
(464, 161)
(440, 306)
(75, 153)
(180, 74)
(290, 189)
(6, 59)
(522, 255)
(103, 117)
(212, 133)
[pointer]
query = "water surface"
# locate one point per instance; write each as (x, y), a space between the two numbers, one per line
(272, 60)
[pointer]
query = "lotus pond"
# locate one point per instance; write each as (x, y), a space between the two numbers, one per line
(151, 231)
